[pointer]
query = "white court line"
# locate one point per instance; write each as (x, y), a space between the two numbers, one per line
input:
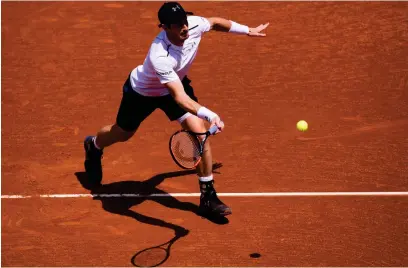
(207, 0)
(275, 194)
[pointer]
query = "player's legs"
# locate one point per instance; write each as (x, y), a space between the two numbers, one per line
(112, 134)
(134, 108)
(209, 202)
(193, 123)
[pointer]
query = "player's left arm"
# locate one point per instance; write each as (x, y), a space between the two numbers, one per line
(224, 25)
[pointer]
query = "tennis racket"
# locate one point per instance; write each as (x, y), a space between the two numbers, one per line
(186, 147)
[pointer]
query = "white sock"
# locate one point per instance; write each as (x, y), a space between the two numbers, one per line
(206, 179)
(94, 141)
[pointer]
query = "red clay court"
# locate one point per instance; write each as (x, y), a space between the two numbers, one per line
(341, 66)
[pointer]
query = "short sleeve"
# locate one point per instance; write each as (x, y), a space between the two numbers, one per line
(201, 24)
(164, 70)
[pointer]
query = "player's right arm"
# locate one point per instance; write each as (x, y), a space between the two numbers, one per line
(169, 78)
(176, 90)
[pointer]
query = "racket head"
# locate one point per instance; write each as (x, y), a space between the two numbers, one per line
(185, 149)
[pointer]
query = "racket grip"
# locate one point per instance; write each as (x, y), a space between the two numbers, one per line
(213, 129)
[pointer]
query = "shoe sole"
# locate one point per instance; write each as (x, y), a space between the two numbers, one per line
(225, 213)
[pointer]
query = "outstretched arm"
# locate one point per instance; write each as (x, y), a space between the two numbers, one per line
(224, 25)
(176, 90)
(168, 77)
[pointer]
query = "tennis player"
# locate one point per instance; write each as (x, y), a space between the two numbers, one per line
(162, 82)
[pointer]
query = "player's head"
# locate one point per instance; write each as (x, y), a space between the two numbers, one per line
(173, 19)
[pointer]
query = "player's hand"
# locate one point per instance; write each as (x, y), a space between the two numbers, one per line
(217, 121)
(257, 31)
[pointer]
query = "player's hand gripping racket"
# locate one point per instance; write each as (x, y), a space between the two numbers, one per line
(187, 147)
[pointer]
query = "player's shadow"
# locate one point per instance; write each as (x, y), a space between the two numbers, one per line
(114, 199)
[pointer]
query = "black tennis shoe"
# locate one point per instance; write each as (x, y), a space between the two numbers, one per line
(93, 161)
(210, 204)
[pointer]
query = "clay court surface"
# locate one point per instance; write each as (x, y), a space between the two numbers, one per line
(343, 67)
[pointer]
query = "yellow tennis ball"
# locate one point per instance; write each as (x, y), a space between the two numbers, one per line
(302, 125)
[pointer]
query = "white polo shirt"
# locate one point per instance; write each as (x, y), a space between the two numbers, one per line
(166, 62)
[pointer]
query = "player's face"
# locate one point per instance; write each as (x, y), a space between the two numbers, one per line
(180, 30)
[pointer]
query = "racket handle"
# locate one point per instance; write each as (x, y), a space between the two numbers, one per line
(213, 129)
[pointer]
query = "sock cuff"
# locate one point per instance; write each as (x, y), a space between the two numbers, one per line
(94, 142)
(206, 179)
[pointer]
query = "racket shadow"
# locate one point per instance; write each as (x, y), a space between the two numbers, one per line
(122, 205)
(144, 257)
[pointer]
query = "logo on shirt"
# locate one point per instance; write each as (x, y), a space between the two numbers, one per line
(164, 73)
(187, 49)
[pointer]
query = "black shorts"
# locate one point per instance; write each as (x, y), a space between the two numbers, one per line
(134, 108)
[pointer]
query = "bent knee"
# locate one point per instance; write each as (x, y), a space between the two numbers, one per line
(195, 124)
(121, 134)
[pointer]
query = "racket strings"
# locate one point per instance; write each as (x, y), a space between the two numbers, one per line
(186, 149)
